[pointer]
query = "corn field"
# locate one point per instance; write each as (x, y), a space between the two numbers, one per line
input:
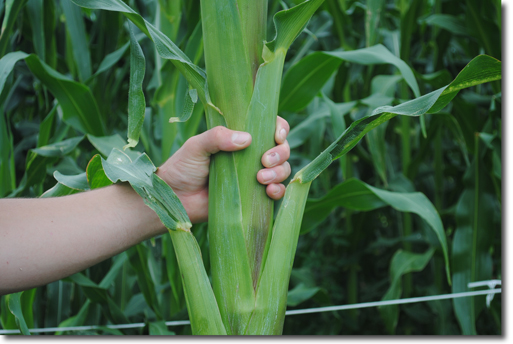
(396, 129)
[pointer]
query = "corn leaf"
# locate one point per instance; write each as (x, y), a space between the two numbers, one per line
(155, 192)
(201, 303)
(12, 10)
(39, 158)
(35, 13)
(14, 303)
(290, 23)
(402, 263)
(96, 176)
(191, 98)
(357, 195)
(99, 294)
(304, 80)
(447, 22)
(471, 257)
(159, 328)
(7, 167)
(138, 256)
(78, 104)
(67, 185)
(165, 47)
(105, 144)
(136, 102)
(78, 38)
(480, 70)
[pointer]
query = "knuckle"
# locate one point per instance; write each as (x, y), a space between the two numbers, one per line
(218, 132)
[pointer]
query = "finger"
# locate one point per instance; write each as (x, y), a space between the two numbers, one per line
(275, 191)
(277, 155)
(274, 175)
(282, 130)
(215, 140)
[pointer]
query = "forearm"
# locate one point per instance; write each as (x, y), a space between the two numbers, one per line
(44, 240)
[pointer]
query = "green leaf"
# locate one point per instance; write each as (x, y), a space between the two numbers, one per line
(96, 177)
(67, 185)
(372, 18)
(59, 149)
(448, 22)
(304, 80)
(105, 144)
(78, 104)
(357, 195)
(136, 102)
(351, 194)
(78, 38)
(471, 257)
(290, 23)
(39, 158)
(201, 303)
(300, 294)
(191, 98)
(155, 192)
(165, 47)
(45, 128)
(7, 166)
(14, 303)
(480, 70)
(77, 182)
(139, 261)
(35, 13)
(402, 263)
(159, 328)
(99, 294)
(12, 10)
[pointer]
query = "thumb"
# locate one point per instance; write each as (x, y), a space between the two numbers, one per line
(217, 139)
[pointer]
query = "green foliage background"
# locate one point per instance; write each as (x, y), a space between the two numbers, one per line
(356, 247)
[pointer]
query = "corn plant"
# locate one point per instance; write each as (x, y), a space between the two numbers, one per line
(243, 88)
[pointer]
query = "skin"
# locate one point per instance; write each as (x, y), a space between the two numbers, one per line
(43, 240)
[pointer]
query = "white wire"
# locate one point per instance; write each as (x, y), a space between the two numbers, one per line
(292, 312)
(393, 302)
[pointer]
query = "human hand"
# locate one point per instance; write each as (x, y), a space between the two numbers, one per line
(187, 170)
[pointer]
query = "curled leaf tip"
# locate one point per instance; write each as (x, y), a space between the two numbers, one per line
(186, 226)
(131, 144)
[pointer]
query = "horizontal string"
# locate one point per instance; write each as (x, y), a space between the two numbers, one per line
(291, 312)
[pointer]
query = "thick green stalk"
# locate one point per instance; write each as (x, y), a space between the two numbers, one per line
(271, 302)
(253, 15)
(230, 69)
(257, 207)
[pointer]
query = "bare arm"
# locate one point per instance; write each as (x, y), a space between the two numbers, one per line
(44, 240)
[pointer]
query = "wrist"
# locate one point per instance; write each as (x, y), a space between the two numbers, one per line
(148, 223)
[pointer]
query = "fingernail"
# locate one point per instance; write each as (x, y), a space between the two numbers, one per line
(240, 138)
(268, 175)
(277, 190)
(273, 159)
(282, 135)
